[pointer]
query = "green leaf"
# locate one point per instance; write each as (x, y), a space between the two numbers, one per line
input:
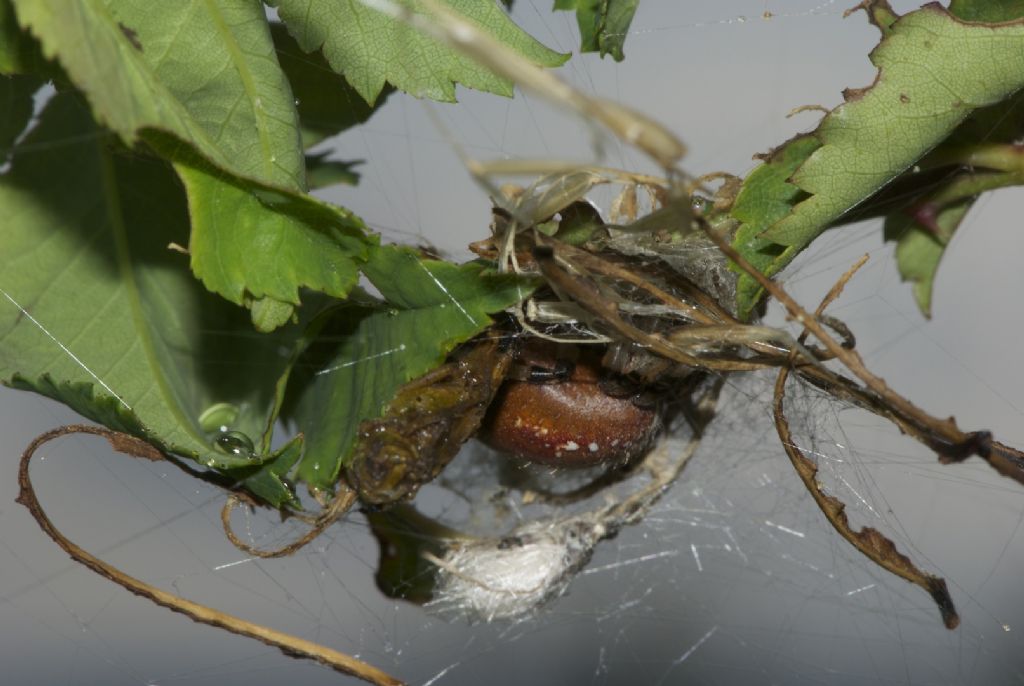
(250, 243)
(268, 481)
(987, 10)
(465, 294)
(98, 313)
(19, 53)
(327, 104)
(766, 197)
(925, 206)
(200, 83)
(603, 24)
(367, 351)
(934, 71)
(204, 72)
(372, 49)
(919, 250)
(269, 314)
(580, 222)
(322, 172)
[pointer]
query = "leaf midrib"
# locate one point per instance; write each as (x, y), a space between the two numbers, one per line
(118, 226)
(248, 83)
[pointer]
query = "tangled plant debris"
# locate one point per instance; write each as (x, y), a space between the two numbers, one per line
(665, 294)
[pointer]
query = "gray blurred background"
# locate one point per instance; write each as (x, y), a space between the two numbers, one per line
(735, 578)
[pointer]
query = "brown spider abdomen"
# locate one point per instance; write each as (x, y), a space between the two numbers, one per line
(569, 423)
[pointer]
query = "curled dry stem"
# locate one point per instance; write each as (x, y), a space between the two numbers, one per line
(869, 541)
(1006, 460)
(341, 504)
(129, 445)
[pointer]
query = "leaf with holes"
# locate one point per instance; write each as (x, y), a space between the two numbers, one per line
(934, 71)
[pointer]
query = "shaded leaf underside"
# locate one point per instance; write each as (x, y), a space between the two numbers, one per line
(116, 326)
(603, 24)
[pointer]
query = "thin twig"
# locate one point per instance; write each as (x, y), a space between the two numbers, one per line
(451, 29)
(562, 273)
(944, 436)
(591, 261)
(289, 645)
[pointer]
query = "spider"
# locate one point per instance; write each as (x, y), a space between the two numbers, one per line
(587, 373)
(584, 375)
(566, 410)
(533, 399)
(631, 329)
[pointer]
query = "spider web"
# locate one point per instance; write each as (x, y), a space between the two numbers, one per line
(734, 577)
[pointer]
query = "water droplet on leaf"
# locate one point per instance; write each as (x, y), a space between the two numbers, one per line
(236, 443)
